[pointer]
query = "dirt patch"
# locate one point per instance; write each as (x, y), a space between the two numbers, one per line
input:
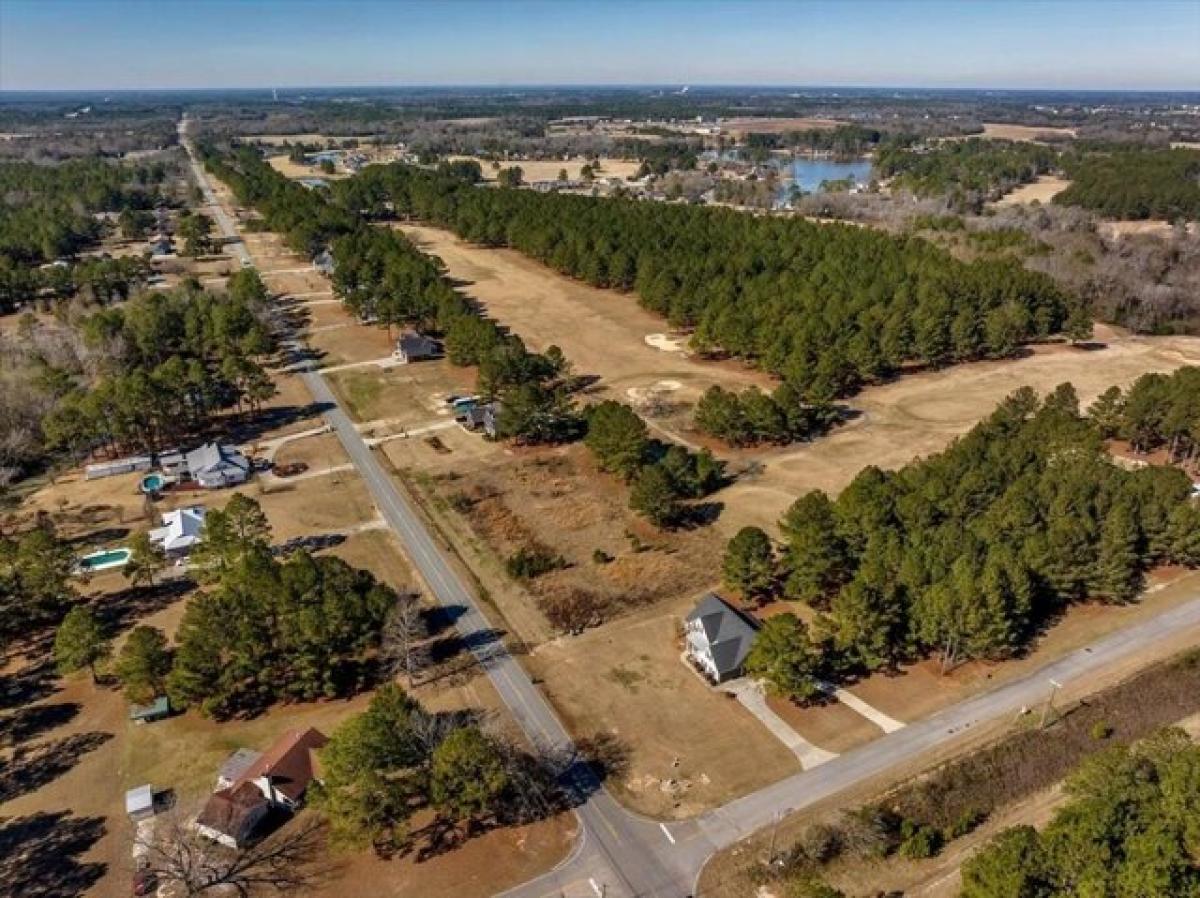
(689, 747)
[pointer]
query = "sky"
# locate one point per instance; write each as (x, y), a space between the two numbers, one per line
(1066, 44)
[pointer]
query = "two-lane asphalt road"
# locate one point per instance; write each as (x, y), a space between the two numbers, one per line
(622, 855)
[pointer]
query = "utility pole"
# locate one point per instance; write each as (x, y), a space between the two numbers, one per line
(1049, 706)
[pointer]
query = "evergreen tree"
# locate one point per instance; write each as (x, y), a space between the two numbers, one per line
(80, 642)
(618, 438)
(816, 558)
(143, 664)
(468, 778)
(146, 560)
(749, 563)
(785, 657)
(653, 496)
(1118, 572)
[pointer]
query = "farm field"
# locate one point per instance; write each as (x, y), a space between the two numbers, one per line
(739, 127)
(290, 169)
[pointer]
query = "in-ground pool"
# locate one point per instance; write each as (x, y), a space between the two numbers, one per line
(104, 559)
(152, 483)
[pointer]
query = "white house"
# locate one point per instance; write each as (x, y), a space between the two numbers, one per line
(180, 530)
(214, 465)
(719, 638)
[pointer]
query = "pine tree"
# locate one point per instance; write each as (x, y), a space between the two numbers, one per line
(1118, 574)
(816, 558)
(749, 563)
(80, 642)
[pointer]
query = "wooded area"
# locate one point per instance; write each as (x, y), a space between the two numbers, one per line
(827, 307)
(1134, 182)
(969, 552)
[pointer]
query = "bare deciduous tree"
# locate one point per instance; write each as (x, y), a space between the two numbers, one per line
(402, 646)
(187, 864)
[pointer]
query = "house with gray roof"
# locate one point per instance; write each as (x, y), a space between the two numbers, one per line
(718, 638)
(214, 465)
(413, 347)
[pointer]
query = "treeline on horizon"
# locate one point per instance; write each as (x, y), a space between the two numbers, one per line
(827, 307)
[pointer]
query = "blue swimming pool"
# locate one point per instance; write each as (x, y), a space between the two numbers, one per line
(104, 559)
(153, 483)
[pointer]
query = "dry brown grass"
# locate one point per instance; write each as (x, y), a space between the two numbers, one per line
(1041, 190)
(1000, 131)
(558, 499)
(321, 451)
(411, 395)
(920, 414)
(627, 680)
(548, 169)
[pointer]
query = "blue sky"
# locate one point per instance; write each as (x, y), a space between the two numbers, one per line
(113, 44)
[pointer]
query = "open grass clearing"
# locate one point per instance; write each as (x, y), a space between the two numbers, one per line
(412, 394)
(318, 452)
(602, 332)
(1041, 190)
(349, 345)
(920, 414)
(548, 169)
(690, 747)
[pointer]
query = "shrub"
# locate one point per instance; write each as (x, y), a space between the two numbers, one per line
(530, 563)
(599, 556)
(924, 842)
(1101, 730)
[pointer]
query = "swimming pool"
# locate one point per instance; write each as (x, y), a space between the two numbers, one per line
(152, 483)
(104, 559)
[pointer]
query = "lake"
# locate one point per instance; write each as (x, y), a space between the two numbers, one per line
(809, 173)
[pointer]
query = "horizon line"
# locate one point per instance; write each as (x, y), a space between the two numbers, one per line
(548, 85)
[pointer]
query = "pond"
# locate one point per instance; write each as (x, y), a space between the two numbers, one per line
(808, 174)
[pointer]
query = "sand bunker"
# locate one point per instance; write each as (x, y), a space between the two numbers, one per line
(666, 342)
(643, 395)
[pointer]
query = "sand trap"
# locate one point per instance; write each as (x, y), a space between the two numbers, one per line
(666, 342)
(642, 395)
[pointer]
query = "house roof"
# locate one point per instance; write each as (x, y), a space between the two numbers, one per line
(238, 763)
(227, 809)
(181, 528)
(730, 633)
(411, 343)
(213, 456)
(290, 762)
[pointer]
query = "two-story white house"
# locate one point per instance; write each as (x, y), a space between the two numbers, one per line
(718, 638)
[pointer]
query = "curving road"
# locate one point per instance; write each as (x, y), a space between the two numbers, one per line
(618, 853)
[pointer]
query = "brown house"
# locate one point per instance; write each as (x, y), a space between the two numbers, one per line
(251, 784)
(231, 815)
